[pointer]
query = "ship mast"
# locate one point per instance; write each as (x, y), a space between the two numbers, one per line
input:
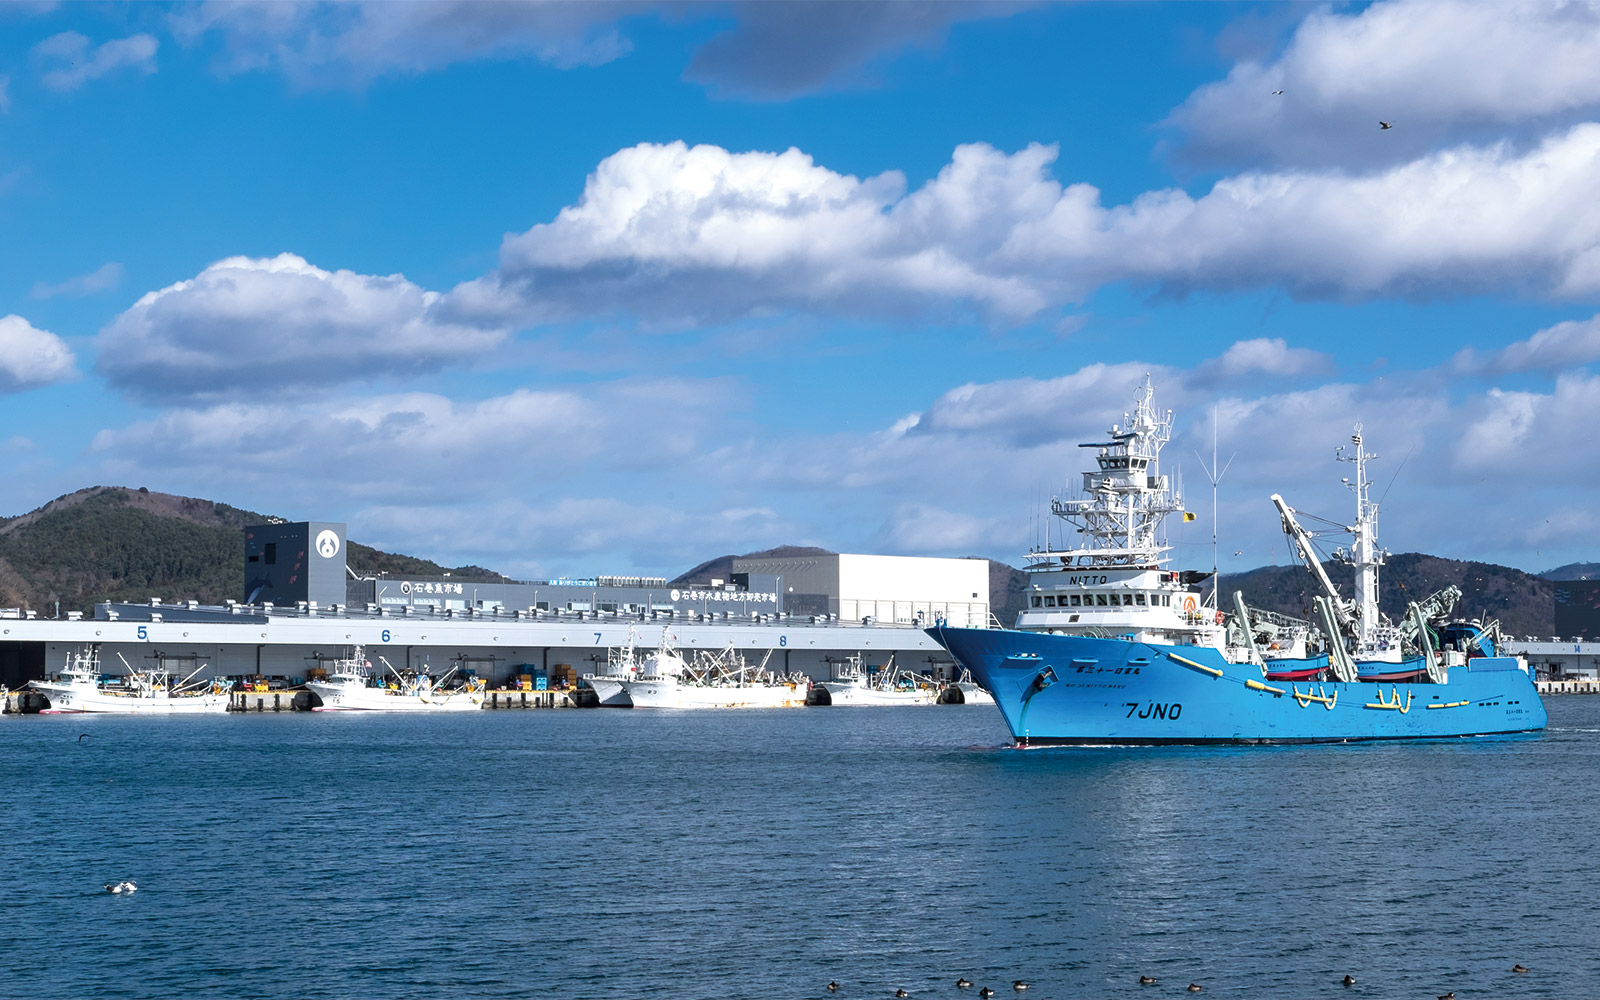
(1125, 501)
(1357, 618)
(1364, 556)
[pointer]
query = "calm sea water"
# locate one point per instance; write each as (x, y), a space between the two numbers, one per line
(609, 854)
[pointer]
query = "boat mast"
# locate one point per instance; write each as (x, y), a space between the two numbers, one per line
(1124, 502)
(1364, 557)
(1215, 474)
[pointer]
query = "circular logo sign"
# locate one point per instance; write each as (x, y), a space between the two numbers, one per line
(327, 543)
(405, 586)
(674, 595)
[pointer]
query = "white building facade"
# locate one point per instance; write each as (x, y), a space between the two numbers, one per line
(903, 590)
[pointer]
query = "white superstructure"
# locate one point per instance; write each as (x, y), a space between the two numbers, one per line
(1109, 574)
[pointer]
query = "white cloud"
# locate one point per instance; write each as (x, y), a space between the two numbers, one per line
(681, 234)
(101, 279)
(1512, 433)
(1569, 343)
(280, 322)
(1028, 411)
(70, 59)
(655, 475)
(926, 528)
(321, 44)
(428, 448)
(1264, 356)
(1441, 70)
(31, 357)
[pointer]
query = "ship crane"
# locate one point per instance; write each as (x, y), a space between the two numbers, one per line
(1344, 611)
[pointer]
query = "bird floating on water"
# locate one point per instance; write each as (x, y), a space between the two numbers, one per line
(1519, 968)
(1147, 980)
(118, 888)
(986, 992)
(833, 987)
(901, 993)
(963, 983)
(1195, 987)
(1348, 980)
(81, 737)
(1448, 996)
(1020, 985)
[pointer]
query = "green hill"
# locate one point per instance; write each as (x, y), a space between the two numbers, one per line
(115, 544)
(1525, 604)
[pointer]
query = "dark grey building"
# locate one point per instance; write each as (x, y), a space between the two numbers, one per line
(290, 562)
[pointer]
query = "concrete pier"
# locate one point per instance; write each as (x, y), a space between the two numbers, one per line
(301, 700)
(1586, 685)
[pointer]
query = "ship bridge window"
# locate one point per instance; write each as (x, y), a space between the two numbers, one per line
(1049, 602)
(1138, 599)
(1100, 600)
(1036, 601)
(1074, 600)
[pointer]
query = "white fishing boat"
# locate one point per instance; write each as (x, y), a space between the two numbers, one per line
(712, 680)
(853, 684)
(81, 688)
(622, 664)
(965, 691)
(354, 685)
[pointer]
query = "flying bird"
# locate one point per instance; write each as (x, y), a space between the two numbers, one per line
(1385, 126)
(1277, 93)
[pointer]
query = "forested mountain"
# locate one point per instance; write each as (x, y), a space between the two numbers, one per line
(114, 544)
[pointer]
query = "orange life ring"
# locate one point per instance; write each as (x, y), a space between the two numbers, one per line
(1221, 617)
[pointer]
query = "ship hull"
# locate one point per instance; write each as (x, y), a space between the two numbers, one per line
(1064, 689)
(669, 693)
(72, 699)
(848, 693)
(608, 690)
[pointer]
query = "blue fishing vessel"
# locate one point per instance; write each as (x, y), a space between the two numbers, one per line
(1114, 647)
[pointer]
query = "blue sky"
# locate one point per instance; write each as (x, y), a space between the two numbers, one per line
(614, 288)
